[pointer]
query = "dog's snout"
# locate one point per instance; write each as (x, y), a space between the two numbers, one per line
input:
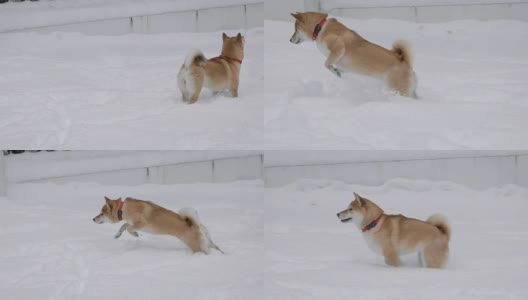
(93, 219)
(337, 215)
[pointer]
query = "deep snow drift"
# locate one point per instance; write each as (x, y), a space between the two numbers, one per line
(472, 89)
(314, 256)
(67, 90)
(51, 248)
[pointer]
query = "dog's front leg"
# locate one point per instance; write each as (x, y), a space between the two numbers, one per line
(391, 258)
(132, 229)
(233, 89)
(336, 53)
(123, 228)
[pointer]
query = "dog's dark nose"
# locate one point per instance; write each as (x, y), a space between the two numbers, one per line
(338, 215)
(93, 219)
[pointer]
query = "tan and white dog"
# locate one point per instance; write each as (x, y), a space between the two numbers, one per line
(347, 51)
(151, 218)
(219, 73)
(392, 235)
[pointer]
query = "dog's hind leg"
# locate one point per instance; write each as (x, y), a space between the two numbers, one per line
(435, 255)
(195, 90)
(216, 247)
(182, 85)
(402, 80)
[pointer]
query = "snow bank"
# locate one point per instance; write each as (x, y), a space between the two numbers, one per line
(51, 248)
(69, 91)
(314, 256)
(472, 90)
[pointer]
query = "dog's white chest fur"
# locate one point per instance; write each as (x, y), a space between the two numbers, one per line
(323, 48)
(373, 244)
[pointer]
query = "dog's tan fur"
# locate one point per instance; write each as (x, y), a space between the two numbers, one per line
(219, 74)
(149, 217)
(348, 51)
(396, 234)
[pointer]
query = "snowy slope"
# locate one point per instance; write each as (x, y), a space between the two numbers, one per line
(472, 87)
(51, 248)
(314, 256)
(92, 92)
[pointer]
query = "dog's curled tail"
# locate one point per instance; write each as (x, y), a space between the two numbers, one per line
(401, 48)
(196, 58)
(191, 218)
(440, 222)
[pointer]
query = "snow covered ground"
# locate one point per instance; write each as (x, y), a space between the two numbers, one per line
(314, 256)
(280, 243)
(70, 91)
(472, 87)
(51, 248)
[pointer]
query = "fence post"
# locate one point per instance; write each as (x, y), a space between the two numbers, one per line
(3, 183)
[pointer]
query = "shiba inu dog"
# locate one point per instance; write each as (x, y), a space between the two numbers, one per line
(345, 50)
(392, 235)
(151, 218)
(219, 73)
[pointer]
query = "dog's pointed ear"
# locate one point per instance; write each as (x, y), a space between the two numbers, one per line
(224, 36)
(297, 16)
(358, 198)
(108, 201)
(239, 36)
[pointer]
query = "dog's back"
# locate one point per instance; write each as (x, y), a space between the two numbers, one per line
(184, 225)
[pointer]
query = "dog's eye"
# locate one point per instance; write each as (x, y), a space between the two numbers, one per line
(350, 209)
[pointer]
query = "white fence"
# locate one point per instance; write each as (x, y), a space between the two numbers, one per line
(198, 20)
(477, 169)
(422, 11)
(121, 169)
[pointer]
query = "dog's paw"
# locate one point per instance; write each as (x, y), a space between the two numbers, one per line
(117, 235)
(134, 234)
(336, 71)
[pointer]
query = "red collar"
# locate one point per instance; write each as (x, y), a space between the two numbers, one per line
(230, 58)
(371, 224)
(120, 210)
(318, 28)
